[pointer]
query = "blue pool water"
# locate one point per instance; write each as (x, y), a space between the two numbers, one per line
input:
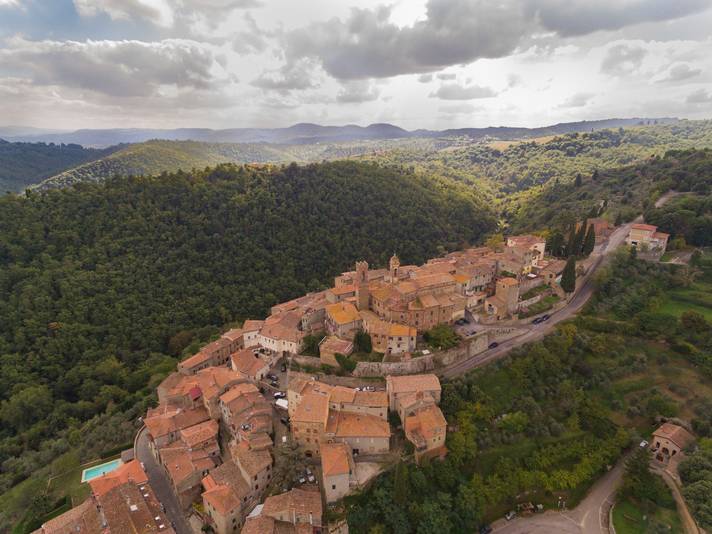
(99, 470)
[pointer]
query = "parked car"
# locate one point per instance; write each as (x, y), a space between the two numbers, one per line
(493, 345)
(272, 377)
(545, 317)
(643, 444)
(285, 421)
(274, 384)
(279, 395)
(369, 388)
(284, 367)
(485, 529)
(537, 320)
(510, 515)
(302, 480)
(311, 478)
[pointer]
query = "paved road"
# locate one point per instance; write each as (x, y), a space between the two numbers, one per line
(536, 332)
(160, 484)
(589, 517)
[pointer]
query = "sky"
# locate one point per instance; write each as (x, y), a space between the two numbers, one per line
(69, 64)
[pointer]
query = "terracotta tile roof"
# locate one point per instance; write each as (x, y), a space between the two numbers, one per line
(251, 325)
(225, 488)
(182, 463)
(281, 332)
(426, 422)
(431, 280)
(199, 434)
(677, 434)
(343, 313)
(251, 461)
(342, 290)
(296, 501)
(335, 459)
(508, 281)
(166, 419)
(259, 525)
(247, 362)
(461, 278)
(525, 240)
(129, 508)
(238, 391)
(211, 381)
(371, 398)
(130, 471)
(333, 345)
(259, 440)
(82, 519)
(644, 227)
(352, 425)
(233, 334)
(410, 383)
(196, 359)
(661, 235)
(314, 408)
(342, 394)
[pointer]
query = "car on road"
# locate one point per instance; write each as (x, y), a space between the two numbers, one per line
(510, 515)
(272, 377)
(279, 395)
(485, 529)
(538, 320)
(285, 421)
(493, 345)
(545, 317)
(284, 367)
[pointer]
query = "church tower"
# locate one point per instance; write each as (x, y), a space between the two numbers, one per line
(393, 265)
(362, 292)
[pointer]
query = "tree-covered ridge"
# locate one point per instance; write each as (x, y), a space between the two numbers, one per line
(624, 191)
(23, 164)
(101, 283)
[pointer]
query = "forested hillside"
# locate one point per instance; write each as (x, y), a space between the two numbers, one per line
(623, 192)
(102, 285)
(24, 164)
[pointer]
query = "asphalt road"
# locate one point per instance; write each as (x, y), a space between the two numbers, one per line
(538, 331)
(160, 484)
(589, 517)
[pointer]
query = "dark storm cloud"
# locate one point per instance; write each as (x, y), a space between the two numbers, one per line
(366, 44)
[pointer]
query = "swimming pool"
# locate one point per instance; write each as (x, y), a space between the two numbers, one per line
(101, 469)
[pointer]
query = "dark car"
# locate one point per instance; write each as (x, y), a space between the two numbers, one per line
(493, 345)
(537, 320)
(284, 367)
(274, 384)
(272, 377)
(545, 317)
(485, 529)
(285, 421)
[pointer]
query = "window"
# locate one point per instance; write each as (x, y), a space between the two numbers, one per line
(333, 486)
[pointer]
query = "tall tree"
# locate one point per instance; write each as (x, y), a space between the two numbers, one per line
(590, 241)
(571, 243)
(568, 277)
(555, 243)
(578, 240)
(400, 484)
(578, 180)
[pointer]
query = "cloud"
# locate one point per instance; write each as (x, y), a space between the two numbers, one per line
(622, 59)
(514, 80)
(162, 12)
(357, 91)
(680, 72)
(446, 76)
(580, 17)
(701, 96)
(366, 44)
(290, 77)
(253, 39)
(156, 11)
(577, 100)
(116, 68)
(425, 78)
(453, 91)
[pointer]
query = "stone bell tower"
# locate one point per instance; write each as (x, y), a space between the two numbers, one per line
(362, 292)
(393, 265)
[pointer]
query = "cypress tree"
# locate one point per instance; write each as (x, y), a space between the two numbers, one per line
(578, 180)
(619, 219)
(590, 241)
(578, 240)
(568, 277)
(555, 243)
(571, 242)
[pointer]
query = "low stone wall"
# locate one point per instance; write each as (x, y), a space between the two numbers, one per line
(307, 360)
(533, 300)
(430, 362)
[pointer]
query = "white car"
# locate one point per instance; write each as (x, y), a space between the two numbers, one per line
(643, 444)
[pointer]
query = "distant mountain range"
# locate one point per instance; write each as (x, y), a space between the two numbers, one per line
(303, 133)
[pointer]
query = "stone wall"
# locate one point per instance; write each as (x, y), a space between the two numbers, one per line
(422, 364)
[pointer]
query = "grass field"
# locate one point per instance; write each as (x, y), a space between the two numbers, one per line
(629, 518)
(696, 298)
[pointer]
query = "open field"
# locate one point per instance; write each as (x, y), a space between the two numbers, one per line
(696, 298)
(629, 518)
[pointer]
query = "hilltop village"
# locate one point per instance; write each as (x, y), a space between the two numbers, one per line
(220, 441)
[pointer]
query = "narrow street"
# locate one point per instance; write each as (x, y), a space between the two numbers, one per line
(160, 484)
